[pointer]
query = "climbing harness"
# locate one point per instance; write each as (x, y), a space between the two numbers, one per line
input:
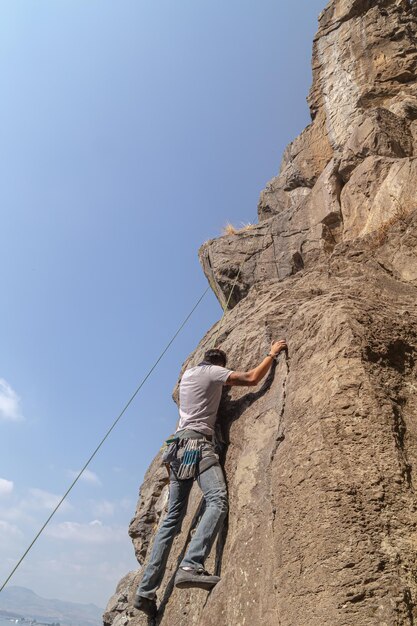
(190, 459)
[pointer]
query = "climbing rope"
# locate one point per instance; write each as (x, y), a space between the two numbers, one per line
(225, 308)
(133, 396)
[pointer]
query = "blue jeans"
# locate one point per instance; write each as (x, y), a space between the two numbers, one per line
(213, 486)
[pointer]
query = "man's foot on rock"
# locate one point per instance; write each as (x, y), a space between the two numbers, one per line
(146, 605)
(198, 577)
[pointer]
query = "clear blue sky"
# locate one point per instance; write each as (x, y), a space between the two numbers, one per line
(131, 132)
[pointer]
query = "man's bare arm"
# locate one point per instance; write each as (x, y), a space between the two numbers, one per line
(252, 377)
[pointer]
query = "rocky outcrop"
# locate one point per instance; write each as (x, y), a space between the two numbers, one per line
(320, 460)
(363, 104)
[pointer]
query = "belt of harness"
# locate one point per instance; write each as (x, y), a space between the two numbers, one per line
(189, 455)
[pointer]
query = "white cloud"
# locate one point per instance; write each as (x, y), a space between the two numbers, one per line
(40, 499)
(17, 513)
(29, 508)
(6, 487)
(9, 403)
(127, 504)
(87, 476)
(95, 532)
(12, 541)
(8, 531)
(103, 508)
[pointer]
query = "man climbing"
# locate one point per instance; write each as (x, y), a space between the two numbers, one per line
(192, 456)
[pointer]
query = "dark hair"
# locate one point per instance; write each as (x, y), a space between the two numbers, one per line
(215, 357)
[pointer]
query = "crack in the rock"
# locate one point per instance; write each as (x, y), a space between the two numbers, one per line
(409, 605)
(279, 438)
(386, 269)
(399, 430)
(275, 256)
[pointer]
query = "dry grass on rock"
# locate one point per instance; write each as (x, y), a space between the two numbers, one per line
(380, 234)
(229, 229)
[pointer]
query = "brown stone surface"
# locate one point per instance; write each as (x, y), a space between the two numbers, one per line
(364, 57)
(379, 132)
(363, 102)
(320, 459)
(378, 189)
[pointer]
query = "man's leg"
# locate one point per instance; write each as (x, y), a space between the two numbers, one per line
(213, 486)
(179, 490)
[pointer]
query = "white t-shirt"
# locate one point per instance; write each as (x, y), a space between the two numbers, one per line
(200, 394)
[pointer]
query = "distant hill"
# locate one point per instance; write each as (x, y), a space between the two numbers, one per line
(24, 602)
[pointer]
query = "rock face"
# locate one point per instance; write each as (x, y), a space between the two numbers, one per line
(320, 460)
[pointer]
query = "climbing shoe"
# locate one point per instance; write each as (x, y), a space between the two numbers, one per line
(197, 577)
(146, 605)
